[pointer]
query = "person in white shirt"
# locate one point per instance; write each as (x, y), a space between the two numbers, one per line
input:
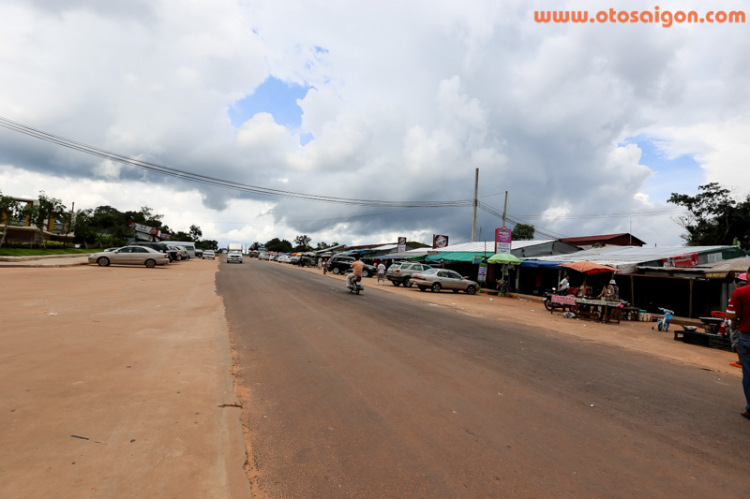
(564, 286)
(381, 273)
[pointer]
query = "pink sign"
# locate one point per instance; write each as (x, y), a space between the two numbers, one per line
(503, 239)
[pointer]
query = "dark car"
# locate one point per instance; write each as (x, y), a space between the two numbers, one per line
(342, 265)
(174, 254)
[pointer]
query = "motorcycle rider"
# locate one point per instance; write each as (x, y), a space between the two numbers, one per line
(357, 267)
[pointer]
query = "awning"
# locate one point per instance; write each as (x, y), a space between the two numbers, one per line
(540, 264)
(464, 256)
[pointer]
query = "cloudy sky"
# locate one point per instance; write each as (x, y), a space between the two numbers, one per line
(589, 127)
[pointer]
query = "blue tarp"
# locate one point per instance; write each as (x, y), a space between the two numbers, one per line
(539, 264)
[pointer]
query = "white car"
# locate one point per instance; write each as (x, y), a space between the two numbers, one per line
(234, 256)
(209, 254)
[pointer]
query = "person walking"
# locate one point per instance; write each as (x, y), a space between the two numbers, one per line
(739, 310)
(734, 332)
(381, 273)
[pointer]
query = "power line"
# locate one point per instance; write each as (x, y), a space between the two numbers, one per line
(215, 181)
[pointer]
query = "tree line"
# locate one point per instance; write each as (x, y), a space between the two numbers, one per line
(98, 227)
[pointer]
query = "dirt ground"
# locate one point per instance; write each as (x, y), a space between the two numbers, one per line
(116, 382)
(637, 336)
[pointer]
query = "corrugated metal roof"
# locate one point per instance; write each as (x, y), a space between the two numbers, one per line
(627, 257)
(488, 246)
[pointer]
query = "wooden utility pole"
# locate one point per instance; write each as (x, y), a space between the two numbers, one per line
(476, 203)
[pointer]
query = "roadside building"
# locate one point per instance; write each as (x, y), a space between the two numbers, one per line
(22, 232)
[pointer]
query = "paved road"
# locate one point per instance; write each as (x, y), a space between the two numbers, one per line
(377, 396)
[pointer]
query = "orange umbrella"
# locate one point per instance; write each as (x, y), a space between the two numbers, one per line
(588, 268)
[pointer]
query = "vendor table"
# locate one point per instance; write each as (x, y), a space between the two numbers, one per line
(569, 300)
(588, 309)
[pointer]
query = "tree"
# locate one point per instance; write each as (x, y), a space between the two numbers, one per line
(83, 229)
(195, 233)
(109, 224)
(523, 232)
(182, 236)
(281, 246)
(255, 246)
(324, 245)
(207, 244)
(302, 243)
(715, 217)
(11, 210)
(47, 209)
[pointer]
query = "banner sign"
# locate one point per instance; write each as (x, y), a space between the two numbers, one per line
(503, 239)
(439, 241)
(141, 228)
(482, 273)
(401, 244)
(165, 236)
(477, 259)
(686, 260)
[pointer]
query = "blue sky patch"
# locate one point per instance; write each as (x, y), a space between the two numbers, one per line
(275, 97)
(682, 174)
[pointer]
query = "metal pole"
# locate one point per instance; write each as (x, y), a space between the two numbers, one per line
(505, 207)
(476, 202)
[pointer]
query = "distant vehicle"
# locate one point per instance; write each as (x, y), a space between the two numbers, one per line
(234, 256)
(208, 254)
(235, 247)
(282, 258)
(130, 255)
(438, 279)
(400, 273)
(263, 256)
(198, 253)
(188, 245)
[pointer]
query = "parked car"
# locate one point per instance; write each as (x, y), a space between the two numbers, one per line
(130, 255)
(113, 249)
(339, 264)
(198, 253)
(208, 254)
(181, 252)
(263, 256)
(160, 247)
(400, 273)
(438, 279)
(234, 256)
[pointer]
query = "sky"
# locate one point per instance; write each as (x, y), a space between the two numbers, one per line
(589, 127)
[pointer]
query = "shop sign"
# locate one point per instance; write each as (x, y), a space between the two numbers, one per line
(686, 260)
(482, 273)
(401, 244)
(439, 241)
(503, 239)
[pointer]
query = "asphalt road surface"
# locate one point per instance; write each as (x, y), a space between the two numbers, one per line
(378, 396)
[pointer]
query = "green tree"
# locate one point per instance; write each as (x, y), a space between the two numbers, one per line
(40, 214)
(715, 217)
(302, 243)
(195, 233)
(207, 244)
(83, 229)
(181, 236)
(11, 210)
(523, 232)
(255, 246)
(110, 225)
(281, 246)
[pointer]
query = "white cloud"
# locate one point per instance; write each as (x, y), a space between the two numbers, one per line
(408, 100)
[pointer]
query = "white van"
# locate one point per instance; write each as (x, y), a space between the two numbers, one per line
(188, 245)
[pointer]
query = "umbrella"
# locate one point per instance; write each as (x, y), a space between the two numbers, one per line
(588, 268)
(504, 258)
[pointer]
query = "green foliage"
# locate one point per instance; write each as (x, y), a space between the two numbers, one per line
(12, 211)
(715, 217)
(282, 246)
(523, 232)
(207, 244)
(302, 243)
(255, 246)
(46, 209)
(195, 233)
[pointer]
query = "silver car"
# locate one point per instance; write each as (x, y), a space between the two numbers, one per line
(130, 255)
(438, 279)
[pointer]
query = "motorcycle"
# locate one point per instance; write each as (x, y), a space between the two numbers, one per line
(356, 285)
(547, 299)
(663, 322)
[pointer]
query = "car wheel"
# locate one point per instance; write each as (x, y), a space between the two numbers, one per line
(103, 262)
(150, 264)
(454, 290)
(407, 283)
(396, 283)
(436, 287)
(471, 290)
(336, 270)
(365, 273)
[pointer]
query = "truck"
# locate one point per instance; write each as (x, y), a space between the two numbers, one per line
(234, 247)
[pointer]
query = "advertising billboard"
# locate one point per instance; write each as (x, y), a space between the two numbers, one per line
(439, 241)
(503, 239)
(401, 244)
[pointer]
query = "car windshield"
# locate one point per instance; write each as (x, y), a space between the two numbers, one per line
(430, 271)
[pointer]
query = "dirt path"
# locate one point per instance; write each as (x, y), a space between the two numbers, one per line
(115, 382)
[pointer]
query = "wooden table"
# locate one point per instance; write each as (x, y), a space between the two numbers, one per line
(587, 309)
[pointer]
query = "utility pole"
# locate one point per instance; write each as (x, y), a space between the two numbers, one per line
(505, 207)
(476, 203)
